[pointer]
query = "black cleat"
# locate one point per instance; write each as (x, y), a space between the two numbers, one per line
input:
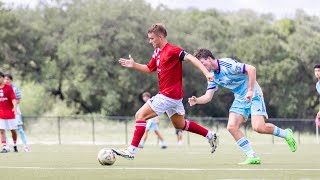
(15, 149)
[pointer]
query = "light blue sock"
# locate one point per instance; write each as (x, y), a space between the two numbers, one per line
(22, 136)
(245, 147)
(280, 132)
(141, 144)
(7, 140)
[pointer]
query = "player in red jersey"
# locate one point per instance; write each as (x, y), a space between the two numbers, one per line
(8, 104)
(167, 62)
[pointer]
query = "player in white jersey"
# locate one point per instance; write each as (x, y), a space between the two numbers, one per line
(241, 80)
(152, 125)
(317, 74)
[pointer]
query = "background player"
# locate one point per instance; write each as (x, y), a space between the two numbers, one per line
(317, 74)
(8, 104)
(152, 125)
(8, 80)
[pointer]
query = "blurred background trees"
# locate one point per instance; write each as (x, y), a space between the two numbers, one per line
(63, 55)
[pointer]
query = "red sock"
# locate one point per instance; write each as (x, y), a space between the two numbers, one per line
(4, 143)
(195, 128)
(138, 133)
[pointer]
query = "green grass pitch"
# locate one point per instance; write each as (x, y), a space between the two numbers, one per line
(68, 162)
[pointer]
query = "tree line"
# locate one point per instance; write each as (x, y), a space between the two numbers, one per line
(64, 54)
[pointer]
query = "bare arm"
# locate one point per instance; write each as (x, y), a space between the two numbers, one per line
(204, 99)
(200, 66)
(251, 72)
(129, 63)
(14, 102)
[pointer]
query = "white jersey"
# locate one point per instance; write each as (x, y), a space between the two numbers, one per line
(231, 75)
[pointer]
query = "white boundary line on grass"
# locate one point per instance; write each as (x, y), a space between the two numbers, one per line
(161, 169)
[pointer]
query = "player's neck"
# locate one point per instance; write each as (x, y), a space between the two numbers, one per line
(215, 65)
(2, 85)
(163, 44)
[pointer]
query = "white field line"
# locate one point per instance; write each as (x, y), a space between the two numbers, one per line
(161, 169)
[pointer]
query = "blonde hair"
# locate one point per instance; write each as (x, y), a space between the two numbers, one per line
(157, 29)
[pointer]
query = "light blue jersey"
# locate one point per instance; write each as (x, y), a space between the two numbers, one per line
(231, 75)
(18, 96)
(16, 91)
(318, 87)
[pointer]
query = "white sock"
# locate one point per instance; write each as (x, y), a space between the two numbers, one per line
(245, 147)
(132, 149)
(280, 132)
(209, 135)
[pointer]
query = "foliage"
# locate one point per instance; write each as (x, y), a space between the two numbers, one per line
(66, 52)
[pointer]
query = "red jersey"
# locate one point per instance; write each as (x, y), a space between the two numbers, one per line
(6, 106)
(168, 63)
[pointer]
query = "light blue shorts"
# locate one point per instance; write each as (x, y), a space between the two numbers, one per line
(257, 107)
(19, 119)
(151, 126)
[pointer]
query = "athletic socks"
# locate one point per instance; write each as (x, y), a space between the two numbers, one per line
(22, 136)
(4, 144)
(280, 132)
(137, 135)
(245, 147)
(195, 128)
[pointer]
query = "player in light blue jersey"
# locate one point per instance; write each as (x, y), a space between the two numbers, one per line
(248, 99)
(8, 80)
(317, 74)
(152, 125)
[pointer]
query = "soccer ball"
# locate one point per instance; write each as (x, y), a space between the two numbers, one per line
(106, 157)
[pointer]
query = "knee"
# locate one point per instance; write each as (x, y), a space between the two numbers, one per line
(232, 128)
(179, 125)
(138, 116)
(258, 129)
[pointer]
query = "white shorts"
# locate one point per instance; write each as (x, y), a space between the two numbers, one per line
(160, 104)
(8, 124)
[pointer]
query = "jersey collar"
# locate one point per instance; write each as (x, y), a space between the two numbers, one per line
(218, 61)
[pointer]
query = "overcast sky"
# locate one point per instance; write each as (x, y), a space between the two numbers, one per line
(281, 8)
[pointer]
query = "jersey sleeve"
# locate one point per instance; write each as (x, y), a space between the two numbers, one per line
(237, 67)
(152, 65)
(318, 87)
(212, 86)
(179, 53)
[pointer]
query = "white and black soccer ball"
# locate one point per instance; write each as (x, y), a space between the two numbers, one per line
(106, 157)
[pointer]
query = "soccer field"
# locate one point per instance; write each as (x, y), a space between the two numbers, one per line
(69, 162)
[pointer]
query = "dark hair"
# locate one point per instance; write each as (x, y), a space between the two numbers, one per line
(146, 94)
(317, 66)
(9, 76)
(1, 74)
(157, 29)
(203, 53)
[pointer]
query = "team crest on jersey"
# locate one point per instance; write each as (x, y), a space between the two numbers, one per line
(238, 68)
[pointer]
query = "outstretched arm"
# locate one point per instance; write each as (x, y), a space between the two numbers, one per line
(200, 66)
(204, 99)
(129, 63)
